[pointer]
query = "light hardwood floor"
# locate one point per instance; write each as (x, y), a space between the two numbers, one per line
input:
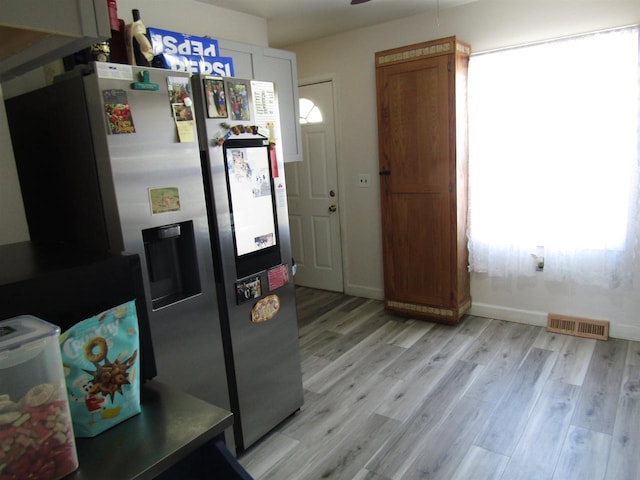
(393, 398)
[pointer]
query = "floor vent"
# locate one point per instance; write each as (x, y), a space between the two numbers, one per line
(580, 327)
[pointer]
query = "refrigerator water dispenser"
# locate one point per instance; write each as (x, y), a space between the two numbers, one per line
(172, 265)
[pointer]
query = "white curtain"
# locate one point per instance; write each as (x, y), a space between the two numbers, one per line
(553, 159)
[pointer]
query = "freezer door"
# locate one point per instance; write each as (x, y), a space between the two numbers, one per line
(148, 163)
(265, 357)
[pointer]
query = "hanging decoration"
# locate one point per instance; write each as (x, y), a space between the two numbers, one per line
(235, 130)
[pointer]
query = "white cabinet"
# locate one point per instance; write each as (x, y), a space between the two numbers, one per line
(279, 67)
(35, 32)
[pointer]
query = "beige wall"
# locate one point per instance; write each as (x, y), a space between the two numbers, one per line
(487, 24)
(197, 18)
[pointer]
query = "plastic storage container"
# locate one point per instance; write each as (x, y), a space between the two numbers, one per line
(36, 433)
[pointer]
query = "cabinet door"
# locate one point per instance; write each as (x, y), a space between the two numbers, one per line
(243, 57)
(415, 152)
(279, 67)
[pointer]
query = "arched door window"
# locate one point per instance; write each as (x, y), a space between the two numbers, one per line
(309, 112)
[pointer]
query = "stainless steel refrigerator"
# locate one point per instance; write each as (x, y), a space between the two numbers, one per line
(109, 160)
(243, 171)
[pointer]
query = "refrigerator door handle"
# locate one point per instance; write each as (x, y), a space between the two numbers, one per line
(170, 231)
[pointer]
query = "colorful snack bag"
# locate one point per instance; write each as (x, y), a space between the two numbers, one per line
(101, 364)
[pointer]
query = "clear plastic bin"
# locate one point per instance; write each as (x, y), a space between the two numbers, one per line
(36, 433)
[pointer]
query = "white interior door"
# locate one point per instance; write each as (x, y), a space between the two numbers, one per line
(312, 194)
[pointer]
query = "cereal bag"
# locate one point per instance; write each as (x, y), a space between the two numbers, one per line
(101, 365)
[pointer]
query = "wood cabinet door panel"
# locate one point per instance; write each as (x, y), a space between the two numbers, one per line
(414, 130)
(417, 256)
(416, 125)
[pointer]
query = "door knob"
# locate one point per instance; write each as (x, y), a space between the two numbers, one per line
(333, 208)
(332, 193)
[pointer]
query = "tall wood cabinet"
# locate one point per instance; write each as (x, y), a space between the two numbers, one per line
(423, 153)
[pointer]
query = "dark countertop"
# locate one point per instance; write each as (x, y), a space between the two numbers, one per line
(172, 424)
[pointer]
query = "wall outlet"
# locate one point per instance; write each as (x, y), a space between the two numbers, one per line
(364, 180)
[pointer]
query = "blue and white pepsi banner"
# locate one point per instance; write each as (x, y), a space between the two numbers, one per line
(220, 66)
(189, 53)
(166, 41)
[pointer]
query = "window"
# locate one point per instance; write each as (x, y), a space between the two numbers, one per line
(309, 112)
(553, 157)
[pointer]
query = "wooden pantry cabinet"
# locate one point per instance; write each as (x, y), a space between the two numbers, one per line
(423, 157)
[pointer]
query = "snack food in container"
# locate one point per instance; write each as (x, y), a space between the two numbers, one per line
(36, 433)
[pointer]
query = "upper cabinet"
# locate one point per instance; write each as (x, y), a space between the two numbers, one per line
(36, 32)
(279, 67)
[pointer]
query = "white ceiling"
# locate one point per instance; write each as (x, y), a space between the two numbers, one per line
(293, 21)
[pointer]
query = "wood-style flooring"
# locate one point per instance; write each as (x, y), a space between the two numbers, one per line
(388, 397)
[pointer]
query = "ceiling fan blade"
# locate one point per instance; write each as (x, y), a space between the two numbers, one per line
(358, 2)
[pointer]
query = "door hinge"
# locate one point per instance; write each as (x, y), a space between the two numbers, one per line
(449, 66)
(452, 297)
(450, 187)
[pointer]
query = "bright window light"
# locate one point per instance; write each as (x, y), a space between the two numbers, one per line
(553, 156)
(309, 112)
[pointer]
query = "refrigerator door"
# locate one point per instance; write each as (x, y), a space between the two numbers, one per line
(151, 182)
(266, 380)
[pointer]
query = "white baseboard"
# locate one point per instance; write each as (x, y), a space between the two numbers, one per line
(626, 332)
(365, 292)
(532, 317)
(529, 317)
